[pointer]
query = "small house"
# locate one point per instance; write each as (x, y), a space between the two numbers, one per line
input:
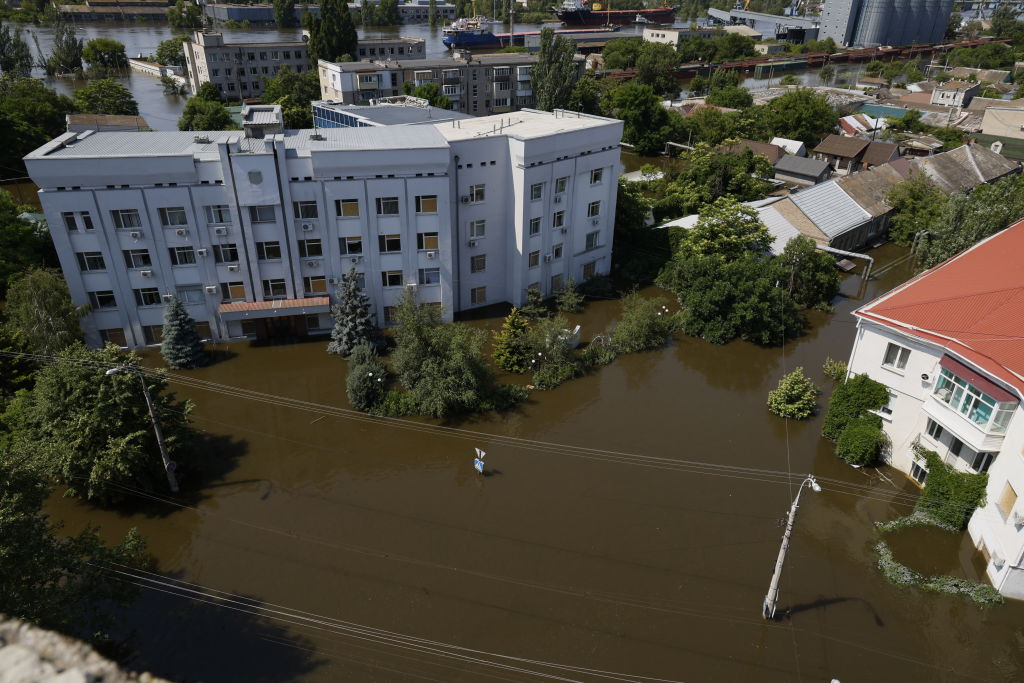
(842, 153)
(801, 170)
(954, 93)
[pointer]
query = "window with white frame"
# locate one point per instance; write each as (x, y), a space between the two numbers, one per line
(589, 270)
(919, 471)
(147, 296)
(346, 208)
(262, 214)
(217, 214)
(596, 176)
(350, 246)
(102, 299)
(556, 283)
(974, 404)
(561, 184)
(126, 219)
(534, 259)
(305, 209)
(274, 289)
(478, 263)
(232, 291)
(182, 256)
(389, 244)
(75, 220)
(426, 240)
(896, 356)
(137, 258)
(934, 430)
(593, 209)
(172, 216)
(314, 284)
(391, 278)
(387, 206)
(426, 203)
(478, 295)
(310, 248)
(429, 276)
(477, 193)
(887, 408)
(477, 229)
(536, 191)
(268, 251)
(982, 461)
(190, 294)
(90, 260)
(592, 240)
(534, 226)
(558, 220)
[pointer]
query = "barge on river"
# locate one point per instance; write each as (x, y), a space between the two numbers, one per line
(583, 13)
(470, 34)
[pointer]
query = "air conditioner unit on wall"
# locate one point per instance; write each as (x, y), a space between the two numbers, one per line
(201, 251)
(220, 230)
(233, 268)
(465, 199)
(146, 273)
(308, 227)
(558, 199)
(332, 281)
(595, 221)
(471, 243)
(181, 232)
(430, 254)
(313, 263)
(211, 289)
(135, 234)
(547, 258)
(168, 297)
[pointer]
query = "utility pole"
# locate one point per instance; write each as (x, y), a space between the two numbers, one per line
(168, 465)
(768, 609)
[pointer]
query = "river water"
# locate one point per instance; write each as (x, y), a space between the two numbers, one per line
(574, 558)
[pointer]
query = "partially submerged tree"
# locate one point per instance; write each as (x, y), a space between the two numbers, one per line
(105, 96)
(367, 378)
(512, 347)
(794, 397)
(353, 324)
(569, 299)
(181, 347)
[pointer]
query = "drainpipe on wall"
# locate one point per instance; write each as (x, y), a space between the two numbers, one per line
(456, 243)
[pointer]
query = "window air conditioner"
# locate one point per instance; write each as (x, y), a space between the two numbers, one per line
(135, 234)
(355, 259)
(430, 254)
(146, 273)
(220, 230)
(998, 560)
(332, 281)
(233, 268)
(558, 199)
(595, 221)
(168, 297)
(465, 199)
(313, 263)
(201, 252)
(547, 258)
(181, 232)
(471, 243)
(307, 227)
(211, 289)
(1017, 518)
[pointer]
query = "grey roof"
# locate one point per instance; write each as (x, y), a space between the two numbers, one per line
(804, 166)
(138, 144)
(511, 59)
(262, 115)
(965, 167)
(870, 189)
(395, 114)
(831, 209)
(781, 229)
(351, 139)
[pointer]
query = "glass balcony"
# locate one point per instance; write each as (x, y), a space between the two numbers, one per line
(980, 408)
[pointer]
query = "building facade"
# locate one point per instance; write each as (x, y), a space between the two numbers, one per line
(252, 233)
(392, 48)
(475, 84)
(240, 70)
(948, 347)
(869, 23)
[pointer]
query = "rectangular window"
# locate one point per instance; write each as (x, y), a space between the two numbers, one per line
(389, 244)
(919, 471)
(560, 185)
(390, 315)
(426, 203)
(556, 283)
(190, 294)
(556, 251)
(934, 429)
(305, 209)
(137, 258)
(1007, 500)
(593, 209)
(596, 175)
(391, 278)
(69, 220)
(261, 214)
(90, 260)
(148, 296)
(232, 291)
(956, 446)
(558, 220)
(589, 270)
(126, 219)
(274, 289)
(478, 263)
(225, 253)
(114, 335)
(536, 191)
(975, 405)
(182, 256)
(103, 299)
(316, 284)
(217, 214)
(268, 251)
(429, 276)
(426, 240)
(350, 245)
(478, 295)
(592, 238)
(534, 226)
(387, 206)
(172, 216)
(896, 356)
(153, 334)
(982, 461)
(477, 229)
(310, 249)
(534, 259)
(346, 208)
(477, 193)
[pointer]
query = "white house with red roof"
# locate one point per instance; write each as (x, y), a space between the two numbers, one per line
(949, 345)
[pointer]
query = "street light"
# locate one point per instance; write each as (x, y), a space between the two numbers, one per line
(168, 464)
(768, 609)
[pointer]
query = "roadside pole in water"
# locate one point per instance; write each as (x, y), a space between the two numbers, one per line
(768, 609)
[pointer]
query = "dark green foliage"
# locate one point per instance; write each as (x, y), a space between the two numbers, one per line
(211, 93)
(304, 87)
(432, 16)
(39, 308)
(284, 14)
(655, 66)
(15, 54)
(353, 324)
(726, 229)
(723, 78)
(105, 96)
(707, 175)
(621, 53)
(732, 96)
(586, 96)
(66, 55)
(645, 324)
(381, 13)
(430, 92)
(185, 15)
(835, 370)
(950, 497)
(916, 203)
(987, 56)
(801, 115)
(553, 361)
(22, 244)
(813, 276)
(794, 397)
(333, 34)
(454, 377)
(92, 432)
(181, 347)
(105, 54)
(569, 299)
(367, 379)
(16, 372)
(49, 577)
(412, 336)
(512, 349)
(554, 74)
(717, 49)
(853, 399)
(898, 574)
(860, 440)
(534, 307)
(202, 114)
(646, 124)
(172, 51)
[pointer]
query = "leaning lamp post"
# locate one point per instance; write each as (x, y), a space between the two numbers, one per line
(768, 609)
(168, 465)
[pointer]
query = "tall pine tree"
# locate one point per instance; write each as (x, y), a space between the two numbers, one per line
(181, 347)
(352, 322)
(333, 36)
(512, 347)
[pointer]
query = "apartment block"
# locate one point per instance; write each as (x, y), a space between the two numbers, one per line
(252, 233)
(401, 47)
(476, 84)
(240, 70)
(869, 23)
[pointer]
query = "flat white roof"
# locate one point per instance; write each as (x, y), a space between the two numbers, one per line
(523, 125)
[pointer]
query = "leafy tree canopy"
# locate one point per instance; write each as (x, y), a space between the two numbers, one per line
(430, 92)
(105, 53)
(39, 308)
(22, 244)
(172, 51)
(201, 114)
(646, 124)
(30, 115)
(105, 96)
(726, 230)
(916, 204)
(333, 34)
(15, 54)
(185, 15)
(554, 74)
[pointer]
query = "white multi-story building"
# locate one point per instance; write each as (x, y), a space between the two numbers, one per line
(252, 232)
(949, 345)
(240, 70)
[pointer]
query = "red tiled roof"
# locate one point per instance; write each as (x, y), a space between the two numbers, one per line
(239, 306)
(972, 304)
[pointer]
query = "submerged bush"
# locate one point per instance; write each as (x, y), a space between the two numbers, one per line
(853, 399)
(860, 440)
(950, 497)
(835, 370)
(645, 324)
(901, 575)
(795, 397)
(367, 378)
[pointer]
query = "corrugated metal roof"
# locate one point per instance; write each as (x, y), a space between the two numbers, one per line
(140, 144)
(262, 116)
(831, 209)
(804, 166)
(791, 146)
(781, 229)
(799, 220)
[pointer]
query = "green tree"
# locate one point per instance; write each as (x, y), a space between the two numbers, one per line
(852, 400)
(795, 397)
(733, 46)
(185, 15)
(874, 67)
(105, 96)
(827, 74)
(172, 51)
(23, 245)
(333, 35)
(1005, 23)
(284, 14)
(430, 92)
(30, 115)
(860, 441)
(789, 79)
(813, 276)
(50, 577)
(39, 308)
(181, 347)
(17, 370)
(708, 174)
(105, 54)
(586, 96)
(724, 78)
(200, 114)
(15, 54)
(367, 378)
(726, 230)
(66, 55)
(454, 377)
(92, 432)
(512, 348)
(655, 66)
(211, 93)
(294, 92)
(732, 97)
(534, 307)
(916, 203)
(955, 19)
(554, 361)
(621, 53)
(353, 324)
(644, 324)
(892, 71)
(801, 115)
(646, 124)
(554, 74)
(432, 16)
(569, 299)
(412, 336)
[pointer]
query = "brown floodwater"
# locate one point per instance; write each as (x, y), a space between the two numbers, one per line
(566, 558)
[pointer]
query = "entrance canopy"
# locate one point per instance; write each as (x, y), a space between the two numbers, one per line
(252, 310)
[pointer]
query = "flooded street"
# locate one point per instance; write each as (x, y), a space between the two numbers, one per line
(590, 558)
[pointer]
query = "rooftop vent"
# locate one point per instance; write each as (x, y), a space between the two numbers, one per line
(316, 136)
(202, 138)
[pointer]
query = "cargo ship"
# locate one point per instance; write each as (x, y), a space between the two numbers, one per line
(473, 34)
(583, 13)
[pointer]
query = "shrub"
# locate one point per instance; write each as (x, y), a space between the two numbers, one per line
(181, 347)
(645, 324)
(598, 287)
(835, 370)
(850, 400)
(569, 300)
(600, 351)
(554, 361)
(512, 348)
(794, 397)
(367, 378)
(860, 440)
(950, 497)
(534, 306)
(550, 375)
